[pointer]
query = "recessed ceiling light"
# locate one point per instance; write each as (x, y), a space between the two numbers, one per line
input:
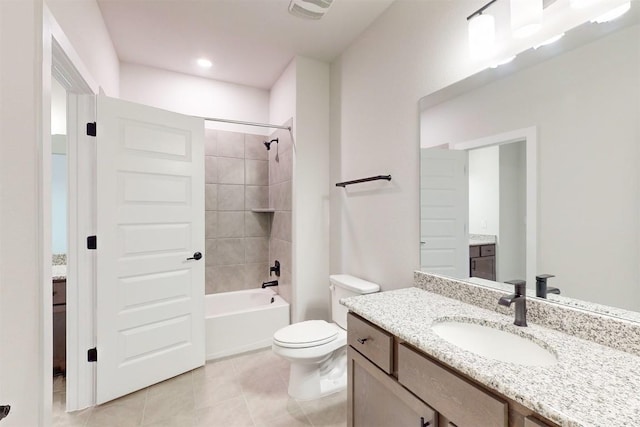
(204, 63)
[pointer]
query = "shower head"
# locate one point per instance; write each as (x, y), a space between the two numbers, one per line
(268, 144)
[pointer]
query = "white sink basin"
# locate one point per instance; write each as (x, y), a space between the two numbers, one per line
(494, 344)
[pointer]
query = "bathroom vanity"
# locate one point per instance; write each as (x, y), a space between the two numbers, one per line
(392, 380)
(402, 373)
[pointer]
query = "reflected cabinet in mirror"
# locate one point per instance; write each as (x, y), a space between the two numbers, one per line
(533, 168)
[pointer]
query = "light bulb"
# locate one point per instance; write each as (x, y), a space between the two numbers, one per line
(526, 17)
(204, 63)
(482, 35)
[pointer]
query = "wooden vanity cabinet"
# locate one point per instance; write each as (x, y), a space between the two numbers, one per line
(391, 383)
(482, 261)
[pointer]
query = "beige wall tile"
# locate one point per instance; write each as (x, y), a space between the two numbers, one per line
(281, 226)
(230, 197)
(256, 172)
(210, 251)
(255, 274)
(256, 224)
(210, 196)
(256, 197)
(227, 278)
(210, 170)
(230, 170)
(254, 147)
(229, 251)
(211, 224)
(210, 142)
(230, 144)
(230, 224)
(256, 249)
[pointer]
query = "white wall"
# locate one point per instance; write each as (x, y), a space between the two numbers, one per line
(512, 236)
(22, 381)
(414, 48)
(82, 23)
(196, 96)
(311, 192)
(302, 92)
(484, 191)
(585, 104)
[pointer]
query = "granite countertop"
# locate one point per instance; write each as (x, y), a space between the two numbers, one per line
(591, 385)
(481, 239)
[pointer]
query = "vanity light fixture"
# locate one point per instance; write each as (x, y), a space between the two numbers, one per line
(549, 41)
(526, 17)
(204, 63)
(482, 32)
(614, 13)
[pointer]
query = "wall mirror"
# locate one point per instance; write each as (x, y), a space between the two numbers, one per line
(533, 168)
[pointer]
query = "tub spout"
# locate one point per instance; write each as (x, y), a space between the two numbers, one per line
(270, 283)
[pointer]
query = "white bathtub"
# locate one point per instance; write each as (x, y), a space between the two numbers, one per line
(242, 321)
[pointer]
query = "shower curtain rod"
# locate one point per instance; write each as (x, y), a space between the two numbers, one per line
(239, 122)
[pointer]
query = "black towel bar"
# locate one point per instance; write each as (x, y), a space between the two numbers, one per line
(358, 181)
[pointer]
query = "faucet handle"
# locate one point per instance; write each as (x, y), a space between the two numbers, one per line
(544, 276)
(520, 285)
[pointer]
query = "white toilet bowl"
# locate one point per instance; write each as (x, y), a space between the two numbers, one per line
(317, 351)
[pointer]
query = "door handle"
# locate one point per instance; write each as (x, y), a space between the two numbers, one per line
(195, 256)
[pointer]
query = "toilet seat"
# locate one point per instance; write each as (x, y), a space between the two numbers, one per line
(310, 333)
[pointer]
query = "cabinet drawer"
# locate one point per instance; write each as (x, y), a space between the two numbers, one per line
(474, 251)
(461, 402)
(487, 250)
(371, 341)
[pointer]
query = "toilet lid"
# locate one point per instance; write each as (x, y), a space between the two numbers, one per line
(310, 333)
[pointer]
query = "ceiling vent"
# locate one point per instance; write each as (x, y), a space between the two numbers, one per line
(309, 9)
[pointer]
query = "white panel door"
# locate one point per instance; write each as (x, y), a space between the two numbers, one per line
(444, 212)
(150, 220)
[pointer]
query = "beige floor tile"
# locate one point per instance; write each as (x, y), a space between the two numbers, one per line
(328, 411)
(177, 384)
(59, 383)
(288, 420)
(214, 369)
(230, 413)
(269, 400)
(60, 418)
(135, 400)
(209, 391)
(115, 415)
(164, 405)
(186, 419)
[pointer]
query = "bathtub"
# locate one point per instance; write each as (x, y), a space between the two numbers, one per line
(242, 321)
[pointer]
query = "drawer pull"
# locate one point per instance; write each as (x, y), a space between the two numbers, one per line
(424, 423)
(362, 340)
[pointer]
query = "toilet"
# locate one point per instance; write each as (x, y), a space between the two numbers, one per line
(317, 349)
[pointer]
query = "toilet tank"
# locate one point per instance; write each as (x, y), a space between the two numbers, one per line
(342, 286)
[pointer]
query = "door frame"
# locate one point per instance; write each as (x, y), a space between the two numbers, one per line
(62, 62)
(530, 136)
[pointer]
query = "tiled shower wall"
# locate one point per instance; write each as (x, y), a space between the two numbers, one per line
(280, 192)
(236, 181)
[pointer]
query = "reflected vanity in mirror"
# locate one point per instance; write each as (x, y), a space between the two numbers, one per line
(533, 168)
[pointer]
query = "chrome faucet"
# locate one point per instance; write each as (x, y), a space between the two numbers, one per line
(541, 286)
(270, 283)
(519, 298)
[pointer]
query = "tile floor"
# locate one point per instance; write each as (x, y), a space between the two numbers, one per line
(249, 390)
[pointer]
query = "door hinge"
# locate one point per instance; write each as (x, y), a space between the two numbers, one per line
(92, 355)
(92, 242)
(91, 129)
